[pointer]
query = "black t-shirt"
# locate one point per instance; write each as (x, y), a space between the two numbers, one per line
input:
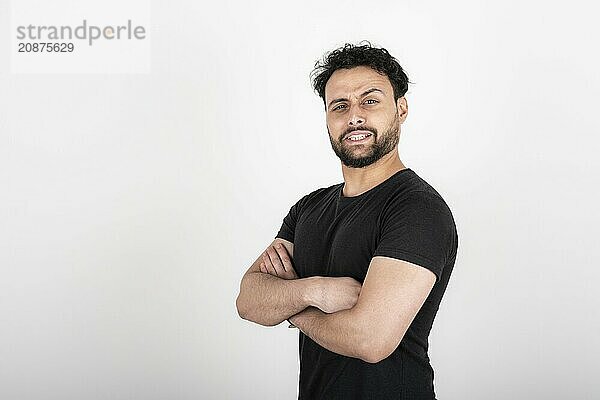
(403, 217)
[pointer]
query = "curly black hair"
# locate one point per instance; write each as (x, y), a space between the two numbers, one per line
(362, 54)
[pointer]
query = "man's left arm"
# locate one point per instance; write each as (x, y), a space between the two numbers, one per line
(392, 294)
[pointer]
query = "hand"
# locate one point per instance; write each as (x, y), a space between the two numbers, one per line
(338, 294)
(277, 262)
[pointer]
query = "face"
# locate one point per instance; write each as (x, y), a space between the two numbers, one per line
(363, 120)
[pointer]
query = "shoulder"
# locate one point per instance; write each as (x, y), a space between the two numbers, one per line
(426, 201)
(318, 195)
(417, 195)
(417, 225)
(416, 208)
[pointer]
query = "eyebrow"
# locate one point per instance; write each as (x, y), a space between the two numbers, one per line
(363, 94)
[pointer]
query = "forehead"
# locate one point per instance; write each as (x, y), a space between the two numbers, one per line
(353, 81)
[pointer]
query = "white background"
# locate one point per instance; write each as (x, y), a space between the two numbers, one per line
(131, 204)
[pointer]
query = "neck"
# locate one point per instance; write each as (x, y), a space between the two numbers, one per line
(359, 180)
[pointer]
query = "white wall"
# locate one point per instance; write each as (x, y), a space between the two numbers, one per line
(131, 204)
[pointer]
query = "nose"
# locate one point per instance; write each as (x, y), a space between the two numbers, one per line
(355, 117)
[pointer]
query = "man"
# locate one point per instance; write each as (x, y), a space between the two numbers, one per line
(359, 267)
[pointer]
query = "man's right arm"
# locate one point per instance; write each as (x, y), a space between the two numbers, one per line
(269, 300)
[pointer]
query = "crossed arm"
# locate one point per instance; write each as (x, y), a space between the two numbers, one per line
(272, 293)
(370, 329)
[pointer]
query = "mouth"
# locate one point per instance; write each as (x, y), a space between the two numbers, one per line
(358, 137)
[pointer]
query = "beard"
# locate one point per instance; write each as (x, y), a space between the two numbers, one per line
(379, 147)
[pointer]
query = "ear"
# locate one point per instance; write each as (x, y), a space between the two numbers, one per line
(402, 106)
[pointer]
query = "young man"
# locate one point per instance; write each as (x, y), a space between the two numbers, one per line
(359, 267)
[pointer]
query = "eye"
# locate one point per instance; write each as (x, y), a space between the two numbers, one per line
(337, 107)
(373, 100)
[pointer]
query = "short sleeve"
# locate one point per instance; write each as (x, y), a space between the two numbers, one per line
(419, 229)
(288, 226)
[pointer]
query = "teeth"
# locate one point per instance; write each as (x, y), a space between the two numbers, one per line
(358, 137)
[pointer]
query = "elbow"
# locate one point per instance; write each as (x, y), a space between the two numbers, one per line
(239, 305)
(380, 339)
(246, 313)
(373, 359)
(243, 310)
(375, 355)
(376, 350)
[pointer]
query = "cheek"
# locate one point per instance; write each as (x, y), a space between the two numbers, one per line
(380, 120)
(335, 125)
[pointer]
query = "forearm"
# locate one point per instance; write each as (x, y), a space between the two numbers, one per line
(268, 300)
(343, 332)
